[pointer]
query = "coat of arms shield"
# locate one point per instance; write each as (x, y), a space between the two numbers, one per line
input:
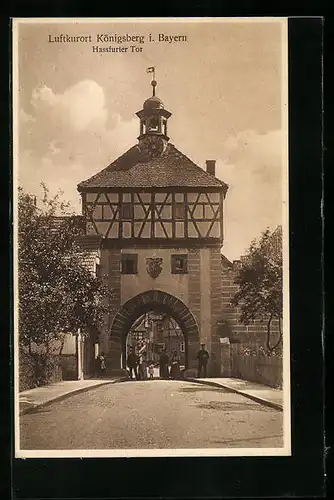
(154, 266)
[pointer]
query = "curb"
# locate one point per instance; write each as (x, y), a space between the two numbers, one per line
(67, 394)
(257, 399)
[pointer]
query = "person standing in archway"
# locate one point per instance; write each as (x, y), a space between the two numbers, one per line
(142, 367)
(163, 363)
(132, 362)
(151, 370)
(202, 357)
(175, 365)
(103, 367)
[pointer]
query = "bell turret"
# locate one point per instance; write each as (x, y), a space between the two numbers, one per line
(153, 117)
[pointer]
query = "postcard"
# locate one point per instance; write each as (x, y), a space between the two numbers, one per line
(151, 238)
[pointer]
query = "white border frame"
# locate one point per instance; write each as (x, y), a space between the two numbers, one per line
(223, 452)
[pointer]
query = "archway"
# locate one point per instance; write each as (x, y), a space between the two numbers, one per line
(155, 332)
(162, 302)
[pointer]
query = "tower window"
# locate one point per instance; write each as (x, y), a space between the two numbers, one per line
(153, 123)
(179, 264)
(179, 211)
(126, 211)
(129, 263)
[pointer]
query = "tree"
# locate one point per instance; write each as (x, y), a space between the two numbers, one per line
(58, 294)
(260, 282)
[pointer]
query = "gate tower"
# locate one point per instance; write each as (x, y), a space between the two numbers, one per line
(156, 219)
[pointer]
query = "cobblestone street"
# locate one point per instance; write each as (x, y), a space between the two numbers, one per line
(152, 414)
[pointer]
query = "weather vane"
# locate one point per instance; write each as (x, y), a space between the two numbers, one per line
(151, 69)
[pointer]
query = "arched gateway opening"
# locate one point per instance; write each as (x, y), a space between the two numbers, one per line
(160, 304)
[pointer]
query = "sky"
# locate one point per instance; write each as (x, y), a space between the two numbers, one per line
(223, 85)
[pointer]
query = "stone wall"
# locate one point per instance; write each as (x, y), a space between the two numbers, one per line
(203, 296)
(112, 345)
(166, 281)
(210, 289)
(194, 298)
(231, 327)
(243, 354)
(216, 308)
(69, 366)
(194, 283)
(254, 334)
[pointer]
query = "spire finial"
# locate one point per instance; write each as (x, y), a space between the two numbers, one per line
(151, 69)
(154, 84)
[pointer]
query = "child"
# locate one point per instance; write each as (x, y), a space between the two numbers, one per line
(151, 370)
(103, 367)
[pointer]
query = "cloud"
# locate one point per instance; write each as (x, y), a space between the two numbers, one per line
(252, 166)
(85, 103)
(77, 107)
(68, 137)
(24, 118)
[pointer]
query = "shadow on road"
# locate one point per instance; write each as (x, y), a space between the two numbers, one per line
(225, 406)
(40, 409)
(232, 441)
(202, 388)
(155, 379)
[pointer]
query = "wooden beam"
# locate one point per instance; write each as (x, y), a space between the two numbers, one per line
(221, 216)
(185, 201)
(199, 242)
(152, 215)
(120, 227)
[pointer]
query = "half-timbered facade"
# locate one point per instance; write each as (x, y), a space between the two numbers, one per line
(158, 220)
(159, 216)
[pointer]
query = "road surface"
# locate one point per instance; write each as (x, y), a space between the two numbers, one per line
(152, 414)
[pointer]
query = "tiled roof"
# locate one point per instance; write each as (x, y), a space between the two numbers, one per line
(226, 262)
(171, 169)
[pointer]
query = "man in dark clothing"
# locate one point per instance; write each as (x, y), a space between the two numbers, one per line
(132, 362)
(163, 363)
(202, 357)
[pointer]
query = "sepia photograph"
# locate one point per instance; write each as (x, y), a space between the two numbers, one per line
(151, 237)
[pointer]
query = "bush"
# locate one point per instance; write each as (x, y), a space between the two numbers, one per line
(27, 378)
(36, 370)
(261, 351)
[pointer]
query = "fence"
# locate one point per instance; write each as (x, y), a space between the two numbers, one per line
(267, 370)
